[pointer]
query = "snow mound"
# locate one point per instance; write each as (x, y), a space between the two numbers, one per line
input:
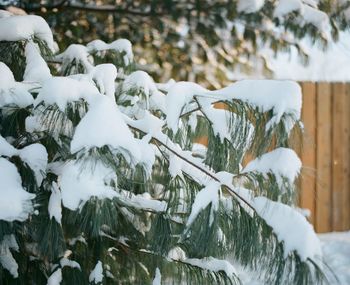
(120, 45)
(103, 125)
(282, 219)
(78, 183)
(36, 69)
(15, 202)
(282, 162)
(16, 28)
(12, 92)
(64, 90)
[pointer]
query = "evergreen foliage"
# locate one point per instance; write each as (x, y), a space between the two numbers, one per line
(146, 220)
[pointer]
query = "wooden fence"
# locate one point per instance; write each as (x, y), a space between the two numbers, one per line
(325, 178)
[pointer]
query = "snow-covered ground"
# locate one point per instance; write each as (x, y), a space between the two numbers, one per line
(336, 250)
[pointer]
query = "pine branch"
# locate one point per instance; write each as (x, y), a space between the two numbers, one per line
(203, 170)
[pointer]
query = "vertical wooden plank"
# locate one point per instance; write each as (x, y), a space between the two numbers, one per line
(347, 158)
(323, 158)
(340, 203)
(308, 153)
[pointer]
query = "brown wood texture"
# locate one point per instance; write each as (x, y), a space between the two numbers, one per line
(323, 206)
(308, 152)
(325, 179)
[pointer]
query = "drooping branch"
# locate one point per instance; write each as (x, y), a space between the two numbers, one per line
(158, 141)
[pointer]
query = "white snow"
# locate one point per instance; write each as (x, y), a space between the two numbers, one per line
(12, 92)
(55, 208)
(6, 258)
(180, 94)
(283, 97)
(336, 251)
(291, 228)
(103, 125)
(316, 17)
(15, 202)
(140, 80)
(6, 149)
(120, 45)
(213, 264)
(35, 155)
(63, 90)
(336, 254)
(76, 52)
(96, 274)
(69, 263)
(16, 28)
(104, 76)
(249, 6)
(177, 253)
(55, 278)
(209, 194)
(36, 68)
(285, 7)
(8, 262)
(78, 183)
(282, 162)
(331, 65)
(157, 278)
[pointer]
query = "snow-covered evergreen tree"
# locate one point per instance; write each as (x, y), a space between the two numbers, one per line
(101, 180)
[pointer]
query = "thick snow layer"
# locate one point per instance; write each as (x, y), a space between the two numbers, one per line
(96, 274)
(78, 183)
(140, 80)
(36, 68)
(15, 202)
(16, 28)
(209, 194)
(280, 96)
(7, 260)
(63, 90)
(35, 155)
(291, 228)
(249, 6)
(6, 149)
(180, 94)
(157, 278)
(55, 278)
(103, 125)
(76, 52)
(316, 17)
(55, 208)
(104, 76)
(285, 7)
(213, 264)
(282, 162)
(12, 92)
(120, 45)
